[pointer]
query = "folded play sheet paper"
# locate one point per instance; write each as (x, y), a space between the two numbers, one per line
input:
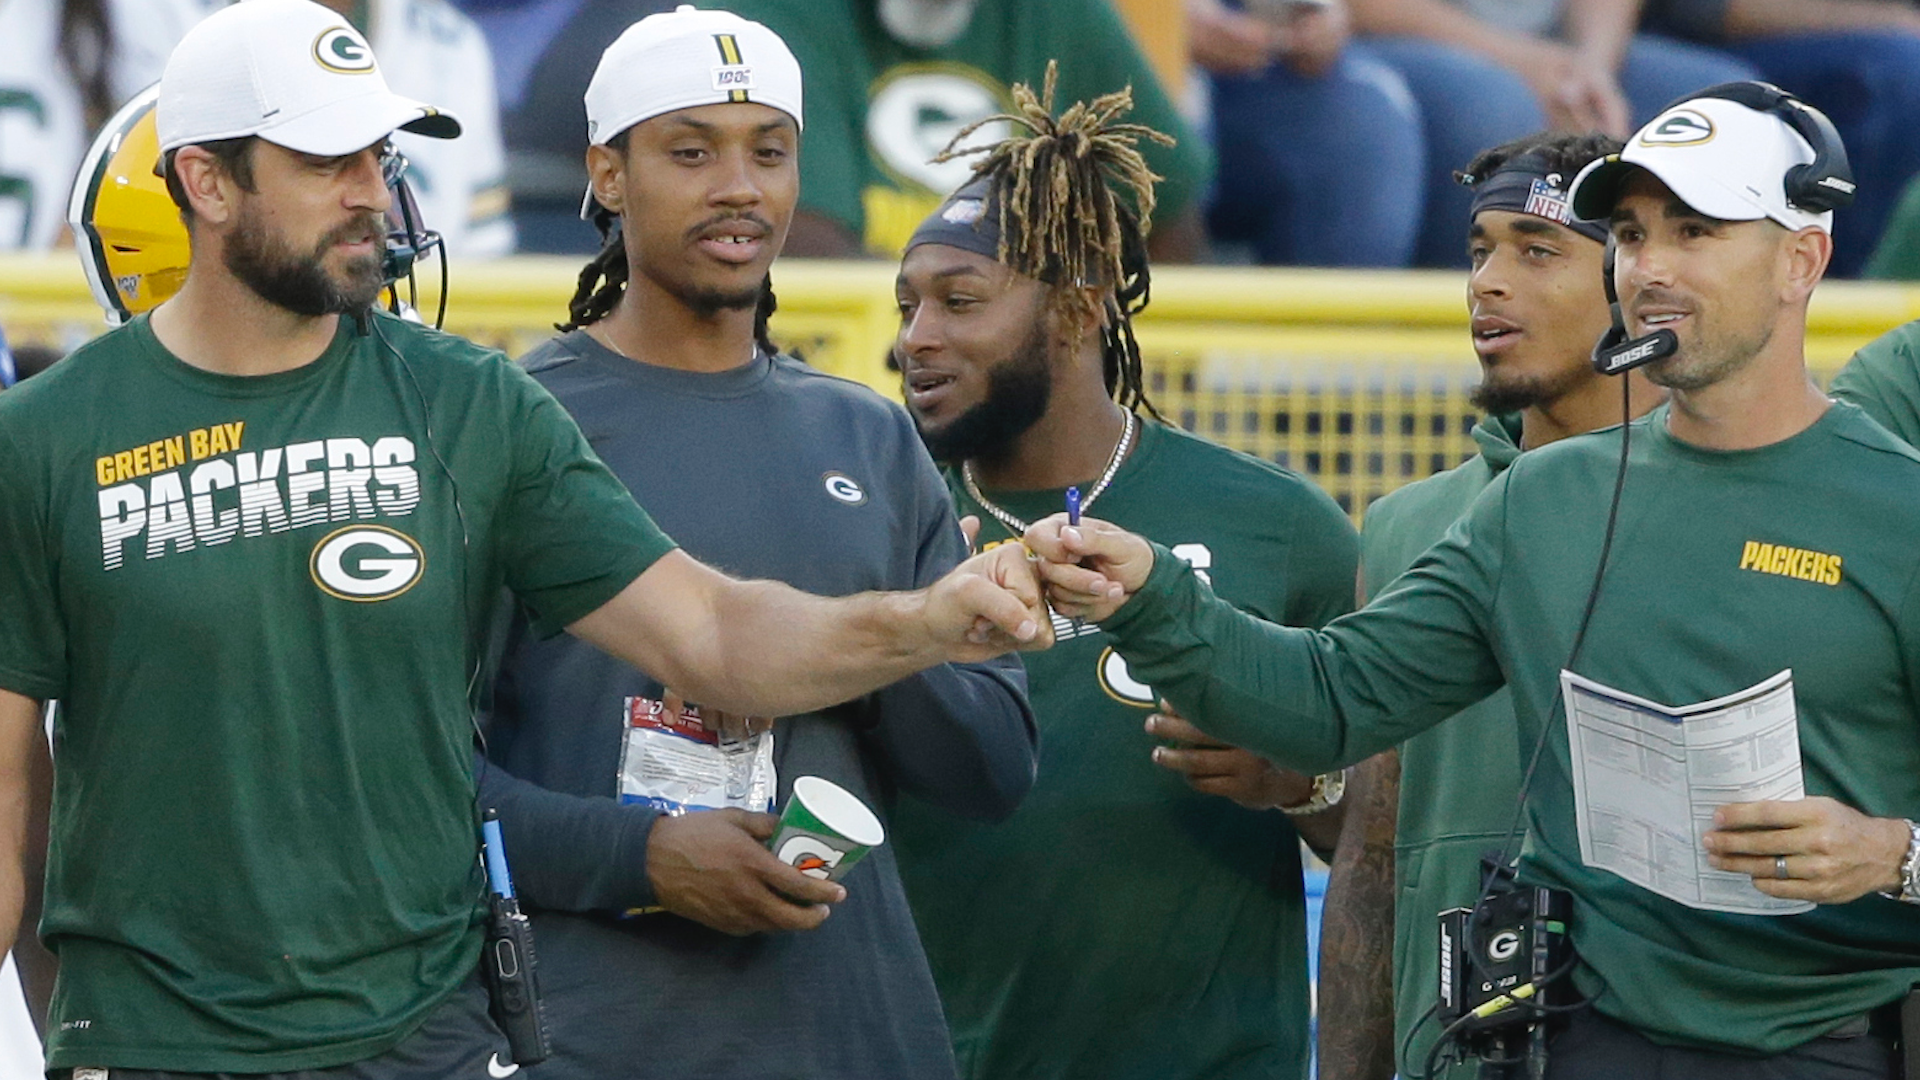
(1647, 778)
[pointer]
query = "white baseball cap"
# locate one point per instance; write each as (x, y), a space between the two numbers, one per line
(290, 71)
(682, 58)
(1720, 157)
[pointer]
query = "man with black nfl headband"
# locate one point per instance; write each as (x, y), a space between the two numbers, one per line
(1128, 921)
(758, 463)
(1421, 816)
(1761, 527)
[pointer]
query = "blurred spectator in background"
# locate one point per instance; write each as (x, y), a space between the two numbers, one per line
(1858, 61)
(65, 66)
(431, 52)
(1488, 71)
(1319, 141)
(544, 52)
(889, 82)
(1897, 253)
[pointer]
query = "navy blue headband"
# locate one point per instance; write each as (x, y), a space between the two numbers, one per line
(968, 220)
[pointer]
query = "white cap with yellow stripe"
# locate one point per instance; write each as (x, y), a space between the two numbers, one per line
(683, 58)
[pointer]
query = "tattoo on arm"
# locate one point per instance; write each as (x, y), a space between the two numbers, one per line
(1356, 1040)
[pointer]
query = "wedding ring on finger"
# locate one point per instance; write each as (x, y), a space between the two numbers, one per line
(1780, 867)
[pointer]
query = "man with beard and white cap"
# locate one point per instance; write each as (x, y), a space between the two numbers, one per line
(1761, 527)
(252, 542)
(675, 944)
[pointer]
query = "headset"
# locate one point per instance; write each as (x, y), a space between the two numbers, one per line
(1823, 184)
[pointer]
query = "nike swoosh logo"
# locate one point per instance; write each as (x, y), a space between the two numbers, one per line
(497, 1070)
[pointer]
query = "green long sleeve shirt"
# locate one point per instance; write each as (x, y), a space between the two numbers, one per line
(1719, 577)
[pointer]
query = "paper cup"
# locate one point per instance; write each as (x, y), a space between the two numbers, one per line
(824, 830)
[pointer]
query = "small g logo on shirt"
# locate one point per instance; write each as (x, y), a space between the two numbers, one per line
(843, 489)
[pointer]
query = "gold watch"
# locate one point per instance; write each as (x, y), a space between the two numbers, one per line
(1328, 788)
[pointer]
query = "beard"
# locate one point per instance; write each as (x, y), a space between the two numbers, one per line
(1018, 390)
(263, 261)
(1501, 393)
(705, 303)
(1708, 360)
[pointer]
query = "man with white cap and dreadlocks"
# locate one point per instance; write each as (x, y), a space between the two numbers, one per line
(1759, 527)
(763, 465)
(1129, 920)
(257, 574)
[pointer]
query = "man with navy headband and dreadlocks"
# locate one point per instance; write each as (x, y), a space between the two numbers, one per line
(1127, 920)
(674, 944)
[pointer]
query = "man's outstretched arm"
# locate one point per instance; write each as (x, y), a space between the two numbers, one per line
(21, 744)
(760, 648)
(1311, 700)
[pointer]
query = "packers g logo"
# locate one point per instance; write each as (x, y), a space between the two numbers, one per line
(1681, 127)
(1119, 682)
(367, 563)
(843, 488)
(914, 110)
(339, 49)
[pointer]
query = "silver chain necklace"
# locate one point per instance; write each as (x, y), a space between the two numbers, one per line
(1018, 527)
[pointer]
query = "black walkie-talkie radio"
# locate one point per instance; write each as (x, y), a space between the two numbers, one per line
(513, 990)
(1503, 968)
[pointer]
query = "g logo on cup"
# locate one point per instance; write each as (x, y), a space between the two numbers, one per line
(810, 855)
(367, 563)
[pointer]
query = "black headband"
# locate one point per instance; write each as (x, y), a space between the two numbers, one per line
(1526, 185)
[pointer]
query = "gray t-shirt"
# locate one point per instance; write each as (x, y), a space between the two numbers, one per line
(770, 470)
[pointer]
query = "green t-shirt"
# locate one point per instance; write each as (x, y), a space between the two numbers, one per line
(1723, 573)
(1883, 378)
(1120, 925)
(254, 600)
(877, 110)
(1458, 781)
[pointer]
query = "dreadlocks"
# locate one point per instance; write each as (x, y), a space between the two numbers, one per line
(604, 279)
(1060, 220)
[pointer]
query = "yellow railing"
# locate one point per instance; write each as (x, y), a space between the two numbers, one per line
(1358, 379)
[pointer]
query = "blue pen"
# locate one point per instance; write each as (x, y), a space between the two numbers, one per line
(1073, 518)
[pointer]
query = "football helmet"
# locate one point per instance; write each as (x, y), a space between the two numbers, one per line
(133, 243)
(126, 228)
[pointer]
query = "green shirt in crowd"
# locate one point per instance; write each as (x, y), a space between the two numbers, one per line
(1708, 590)
(256, 599)
(878, 109)
(1458, 781)
(1121, 925)
(1883, 378)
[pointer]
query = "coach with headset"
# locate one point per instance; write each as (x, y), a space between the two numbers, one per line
(1721, 214)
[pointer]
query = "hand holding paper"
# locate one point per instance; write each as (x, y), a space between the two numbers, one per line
(1833, 853)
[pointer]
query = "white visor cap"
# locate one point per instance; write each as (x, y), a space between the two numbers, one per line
(1721, 158)
(290, 71)
(683, 58)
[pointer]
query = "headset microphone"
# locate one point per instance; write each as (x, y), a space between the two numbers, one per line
(1616, 353)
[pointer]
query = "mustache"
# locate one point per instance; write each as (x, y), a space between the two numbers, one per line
(697, 231)
(1658, 298)
(365, 225)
